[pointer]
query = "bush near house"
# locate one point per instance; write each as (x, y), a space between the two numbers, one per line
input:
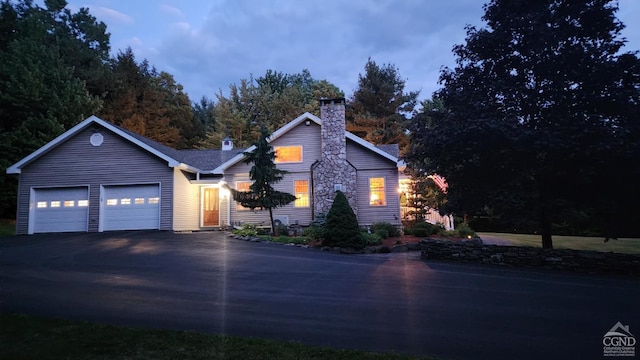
(422, 229)
(341, 228)
(385, 230)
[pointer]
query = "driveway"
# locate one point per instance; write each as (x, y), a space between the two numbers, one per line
(382, 302)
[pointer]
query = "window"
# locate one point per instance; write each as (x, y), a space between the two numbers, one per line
(301, 191)
(154, 200)
(288, 154)
(243, 186)
(42, 204)
(139, 201)
(376, 192)
(83, 203)
(112, 202)
(55, 204)
(125, 201)
(69, 203)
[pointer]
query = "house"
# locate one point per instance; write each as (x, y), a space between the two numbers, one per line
(99, 177)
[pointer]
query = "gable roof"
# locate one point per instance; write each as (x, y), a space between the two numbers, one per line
(386, 151)
(189, 160)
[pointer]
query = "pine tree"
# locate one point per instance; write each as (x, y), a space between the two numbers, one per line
(264, 174)
(341, 227)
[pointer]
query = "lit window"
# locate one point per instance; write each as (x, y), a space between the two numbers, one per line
(112, 202)
(139, 201)
(83, 203)
(301, 191)
(154, 200)
(288, 154)
(55, 204)
(69, 203)
(242, 186)
(125, 201)
(376, 192)
(42, 204)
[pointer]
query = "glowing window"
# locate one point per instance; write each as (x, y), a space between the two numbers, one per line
(83, 203)
(69, 203)
(138, 201)
(376, 192)
(242, 186)
(112, 202)
(301, 191)
(154, 200)
(288, 154)
(41, 204)
(55, 204)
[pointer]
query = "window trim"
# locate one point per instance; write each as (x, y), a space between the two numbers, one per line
(275, 149)
(384, 192)
(238, 206)
(308, 200)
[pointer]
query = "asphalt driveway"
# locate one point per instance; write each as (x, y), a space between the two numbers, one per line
(382, 302)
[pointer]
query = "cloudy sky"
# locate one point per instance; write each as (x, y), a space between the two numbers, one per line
(207, 45)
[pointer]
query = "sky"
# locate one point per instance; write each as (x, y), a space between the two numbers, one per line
(208, 45)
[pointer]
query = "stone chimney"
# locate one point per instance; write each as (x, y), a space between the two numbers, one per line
(227, 144)
(333, 172)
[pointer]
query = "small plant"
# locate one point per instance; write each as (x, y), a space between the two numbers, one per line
(281, 229)
(423, 229)
(463, 230)
(382, 233)
(341, 228)
(371, 239)
(247, 230)
(314, 233)
(389, 229)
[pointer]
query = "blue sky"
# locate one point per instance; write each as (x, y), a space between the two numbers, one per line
(207, 45)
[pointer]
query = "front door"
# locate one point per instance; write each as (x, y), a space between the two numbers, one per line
(210, 207)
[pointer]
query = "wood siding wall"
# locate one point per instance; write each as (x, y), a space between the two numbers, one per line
(77, 163)
(186, 203)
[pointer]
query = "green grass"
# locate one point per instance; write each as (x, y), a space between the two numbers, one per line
(7, 227)
(622, 245)
(282, 239)
(27, 337)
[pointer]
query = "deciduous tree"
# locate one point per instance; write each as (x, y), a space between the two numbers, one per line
(540, 116)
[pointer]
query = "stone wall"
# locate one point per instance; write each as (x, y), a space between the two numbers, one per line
(474, 251)
(333, 167)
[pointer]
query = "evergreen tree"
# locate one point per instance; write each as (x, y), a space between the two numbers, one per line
(264, 174)
(341, 227)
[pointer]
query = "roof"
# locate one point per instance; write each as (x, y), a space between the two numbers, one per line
(189, 160)
(386, 151)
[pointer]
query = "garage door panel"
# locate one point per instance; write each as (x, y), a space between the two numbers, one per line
(60, 210)
(132, 207)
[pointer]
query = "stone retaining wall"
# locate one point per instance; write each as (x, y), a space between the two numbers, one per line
(473, 251)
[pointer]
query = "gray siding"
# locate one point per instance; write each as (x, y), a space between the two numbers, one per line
(390, 213)
(77, 163)
(365, 159)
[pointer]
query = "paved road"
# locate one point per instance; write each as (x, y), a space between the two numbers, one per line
(386, 302)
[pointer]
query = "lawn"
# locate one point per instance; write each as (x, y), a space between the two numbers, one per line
(27, 337)
(7, 227)
(622, 245)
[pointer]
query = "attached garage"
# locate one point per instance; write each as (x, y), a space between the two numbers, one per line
(60, 209)
(130, 207)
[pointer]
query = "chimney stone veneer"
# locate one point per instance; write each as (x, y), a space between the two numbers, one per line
(333, 170)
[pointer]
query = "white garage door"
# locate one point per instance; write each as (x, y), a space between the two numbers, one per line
(60, 209)
(131, 207)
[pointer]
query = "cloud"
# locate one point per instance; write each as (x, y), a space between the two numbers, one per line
(172, 11)
(111, 16)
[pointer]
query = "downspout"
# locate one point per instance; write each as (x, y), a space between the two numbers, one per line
(311, 189)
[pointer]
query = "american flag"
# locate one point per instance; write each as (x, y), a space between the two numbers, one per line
(440, 181)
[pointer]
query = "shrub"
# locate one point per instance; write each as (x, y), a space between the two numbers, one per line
(464, 230)
(382, 233)
(314, 233)
(424, 229)
(247, 230)
(341, 227)
(371, 239)
(281, 229)
(390, 229)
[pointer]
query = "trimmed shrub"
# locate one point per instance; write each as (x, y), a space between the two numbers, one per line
(314, 233)
(341, 228)
(390, 229)
(247, 230)
(424, 229)
(382, 233)
(464, 230)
